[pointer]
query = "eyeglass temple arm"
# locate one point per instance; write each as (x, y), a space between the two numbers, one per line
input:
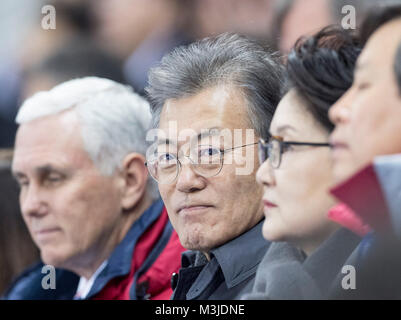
(306, 143)
(245, 145)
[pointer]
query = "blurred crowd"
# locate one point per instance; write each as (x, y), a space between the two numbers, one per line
(122, 40)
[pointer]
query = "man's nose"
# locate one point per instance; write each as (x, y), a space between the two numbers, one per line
(188, 180)
(340, 111)
(33, 203)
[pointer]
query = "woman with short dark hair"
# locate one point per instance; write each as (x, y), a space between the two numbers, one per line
(296, 171)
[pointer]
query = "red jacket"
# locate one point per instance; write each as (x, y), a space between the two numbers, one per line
(160, 249)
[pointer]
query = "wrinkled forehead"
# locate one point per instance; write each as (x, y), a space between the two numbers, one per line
(52, 140)
(191, 138)
(218, 111)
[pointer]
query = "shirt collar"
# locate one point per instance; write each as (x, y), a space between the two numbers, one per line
(85, 285)
(238, 258)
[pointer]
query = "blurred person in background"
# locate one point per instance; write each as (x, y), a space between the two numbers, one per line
(86, 198)
(16, 17)
(77, 58)
(17, 250)
(210, 90)
(251, 18)
(307, 250)
(140, 32)
(73, 19)
(366, 157)
(296, 18)
(29, 44)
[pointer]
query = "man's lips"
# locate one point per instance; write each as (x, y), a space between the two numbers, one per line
(338, 148)
(269, 204)
(338, 145)
(193, 208)
(336, 142)
(46, 232)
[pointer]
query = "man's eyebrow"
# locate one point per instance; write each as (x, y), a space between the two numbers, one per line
(161, 141)
(46, 169)
(41, 170)
(214, 131)
(18, 175)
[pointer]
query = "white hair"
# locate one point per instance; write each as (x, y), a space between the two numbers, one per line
(114, 120)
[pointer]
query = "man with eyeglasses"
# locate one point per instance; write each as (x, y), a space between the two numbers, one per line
(211, 102)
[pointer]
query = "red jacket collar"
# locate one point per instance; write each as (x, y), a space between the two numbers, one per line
(347, 218)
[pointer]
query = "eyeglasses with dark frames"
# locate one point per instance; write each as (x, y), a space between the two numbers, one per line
(274, 149)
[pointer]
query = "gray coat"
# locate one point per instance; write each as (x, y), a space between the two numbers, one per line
(286, 273)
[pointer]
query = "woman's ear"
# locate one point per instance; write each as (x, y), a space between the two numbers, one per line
(135, 175)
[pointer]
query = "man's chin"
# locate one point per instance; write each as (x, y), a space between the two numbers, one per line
(193, 241)
(201, 243)
(342, 173)
(49, 257)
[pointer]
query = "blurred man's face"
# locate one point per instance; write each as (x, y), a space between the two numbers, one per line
(71, 210)
(210, 211)
(304, 18)
(251, 18)
(368, 116)
(124, 24)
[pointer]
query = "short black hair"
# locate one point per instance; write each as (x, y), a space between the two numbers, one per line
(376, 19)
(321, 67)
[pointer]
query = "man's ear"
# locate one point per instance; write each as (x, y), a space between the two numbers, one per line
(135, 175)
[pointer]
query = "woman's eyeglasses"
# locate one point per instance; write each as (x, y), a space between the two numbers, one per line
(273, 150)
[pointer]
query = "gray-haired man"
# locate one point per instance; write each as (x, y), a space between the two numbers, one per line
(85, 196)
(211, 101)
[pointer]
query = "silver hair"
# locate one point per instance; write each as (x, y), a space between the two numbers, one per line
(113, 119)
(226, 59)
